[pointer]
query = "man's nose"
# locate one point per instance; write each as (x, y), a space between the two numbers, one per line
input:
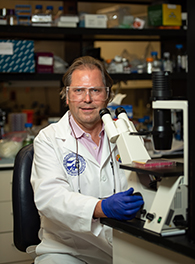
(87, 97)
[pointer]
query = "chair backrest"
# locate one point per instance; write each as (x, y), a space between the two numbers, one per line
(25, 214)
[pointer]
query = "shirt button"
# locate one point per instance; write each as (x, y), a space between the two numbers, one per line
(110, 240)
(103, 178)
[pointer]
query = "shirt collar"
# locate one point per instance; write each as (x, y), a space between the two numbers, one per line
(79, 132)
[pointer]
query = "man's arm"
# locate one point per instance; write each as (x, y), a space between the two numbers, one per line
(98, 211)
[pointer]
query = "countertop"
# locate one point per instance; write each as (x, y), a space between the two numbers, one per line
(179, 243)
(6, 163)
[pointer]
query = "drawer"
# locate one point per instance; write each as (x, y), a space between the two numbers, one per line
(6, 185)
(6, 217)
(10, 252)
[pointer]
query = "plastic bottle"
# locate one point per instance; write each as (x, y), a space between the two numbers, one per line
(29, 134)
(11, 19)
(156, 64)
(141, 125)
(118, 63)
(60, 12)
(149, 62)
(184, 62)
(38, 9)
(49, 10)
(167, 63)
(178, 59)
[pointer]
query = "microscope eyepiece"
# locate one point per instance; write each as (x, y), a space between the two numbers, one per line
(119, 110)
(104, 111)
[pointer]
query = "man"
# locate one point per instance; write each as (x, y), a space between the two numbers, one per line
(75, 169)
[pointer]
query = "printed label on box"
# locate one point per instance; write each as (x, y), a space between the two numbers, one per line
(6, 48)
(43, 60)
(18, 56)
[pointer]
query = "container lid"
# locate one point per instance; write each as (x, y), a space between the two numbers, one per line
(28, 125)
(38, 6)
(179, 46)
(49, 7)
(154, 53)
(146, 117)
(141, 120)
(149, 59)
(11, 12)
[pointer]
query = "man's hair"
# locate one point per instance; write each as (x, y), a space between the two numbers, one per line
(82, 63)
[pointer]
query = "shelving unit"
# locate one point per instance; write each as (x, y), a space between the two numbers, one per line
(81, 35)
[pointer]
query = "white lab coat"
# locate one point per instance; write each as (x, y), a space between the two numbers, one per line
(67, 224)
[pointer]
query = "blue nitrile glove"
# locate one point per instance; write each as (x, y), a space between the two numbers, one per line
(122, 206)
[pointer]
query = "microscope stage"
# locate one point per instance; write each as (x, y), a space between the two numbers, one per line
(169, 171)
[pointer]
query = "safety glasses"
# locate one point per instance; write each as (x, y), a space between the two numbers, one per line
(77, 93)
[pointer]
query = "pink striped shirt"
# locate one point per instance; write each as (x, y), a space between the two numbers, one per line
(85, 139)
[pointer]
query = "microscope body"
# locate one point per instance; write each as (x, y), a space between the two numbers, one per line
(165, 206)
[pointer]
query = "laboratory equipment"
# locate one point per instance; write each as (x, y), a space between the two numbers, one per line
(2, 123)
(165, 188)
(156, 64)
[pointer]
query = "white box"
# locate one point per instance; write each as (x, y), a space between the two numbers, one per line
(66, 18)
(94, 21)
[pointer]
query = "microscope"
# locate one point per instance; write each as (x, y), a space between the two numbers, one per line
(163, 184)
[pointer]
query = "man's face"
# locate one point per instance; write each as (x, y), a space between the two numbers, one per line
(86, 111)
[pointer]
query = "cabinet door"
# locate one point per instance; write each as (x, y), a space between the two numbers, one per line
(6, 185)
(6, 217)
(9, 253)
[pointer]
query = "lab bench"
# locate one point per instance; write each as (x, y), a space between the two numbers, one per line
(133, 244)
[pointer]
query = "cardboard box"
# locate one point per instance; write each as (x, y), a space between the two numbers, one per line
(93, 21)
(17, 56)
(164, 15)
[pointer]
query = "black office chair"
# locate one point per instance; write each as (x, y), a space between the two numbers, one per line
(25, 215)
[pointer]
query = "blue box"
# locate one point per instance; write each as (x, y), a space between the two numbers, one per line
(128, 109)
(17, 56)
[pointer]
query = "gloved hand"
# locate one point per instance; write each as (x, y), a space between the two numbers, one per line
(122, 206)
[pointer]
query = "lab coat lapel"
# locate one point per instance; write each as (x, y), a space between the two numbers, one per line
(70, 144)
(68, 141)
(106, 151)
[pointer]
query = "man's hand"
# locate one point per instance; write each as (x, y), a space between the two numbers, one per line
(122, 206)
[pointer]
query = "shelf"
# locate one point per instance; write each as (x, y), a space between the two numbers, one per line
(29, 77)
(136, 2)
(16, 31)
(58, 77)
